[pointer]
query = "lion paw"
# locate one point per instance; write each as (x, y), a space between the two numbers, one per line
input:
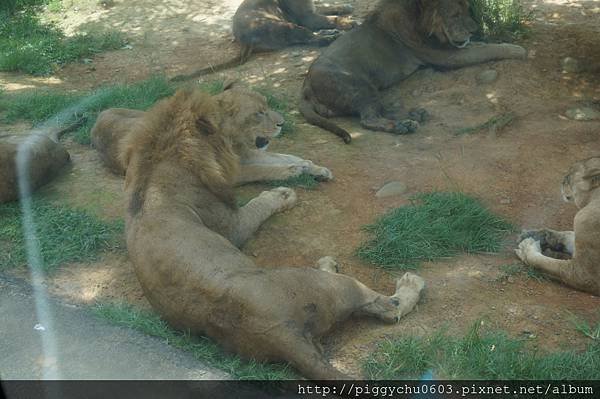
(526, 248)
(321, 173)
(406, 126)
(328, 264)
(285, 198)
(419, 114)
(408, 293)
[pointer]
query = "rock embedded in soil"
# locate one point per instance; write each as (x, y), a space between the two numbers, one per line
(390, 189)
(583, 114)
(487, 76)
(570, 64)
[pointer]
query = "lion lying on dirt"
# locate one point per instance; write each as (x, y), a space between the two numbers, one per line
(582, 186)
(267, 25)
(399, 37)
(183, 232)
(37, 157)
(114, 125)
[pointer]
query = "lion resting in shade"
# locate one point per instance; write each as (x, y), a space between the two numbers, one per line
(581, 185)
(183, 231)
(398, 38)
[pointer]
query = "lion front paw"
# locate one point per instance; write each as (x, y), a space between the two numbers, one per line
(321, 173)
(527, 248)
(406, 126)
(284, 198)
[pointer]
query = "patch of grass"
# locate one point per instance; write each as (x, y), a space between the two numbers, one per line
(63, 234)
(201, 348)
(590, 331)
(31, 46)
(212, 87)
(305, 181)
(515, 269)
(42, 105)
(479, 354)
(493, 125)
(500, 20)
(433, 226)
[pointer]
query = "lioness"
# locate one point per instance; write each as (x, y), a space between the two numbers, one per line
(394, 41)
(267, 25)
(248, 113)
(27, 162)
(582, 186)
(183, 231)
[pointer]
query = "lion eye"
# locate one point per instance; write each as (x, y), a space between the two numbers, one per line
(260, 113)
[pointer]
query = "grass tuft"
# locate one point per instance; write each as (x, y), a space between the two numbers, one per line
(433, 226)
(500, 20)
(31, 46)
(590, 331)
(201, 348)
(493, 125)
(478, 355)
(63, 234)
(305, 181)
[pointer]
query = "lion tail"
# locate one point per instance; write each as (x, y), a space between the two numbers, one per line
(307, 109)
(245, 53)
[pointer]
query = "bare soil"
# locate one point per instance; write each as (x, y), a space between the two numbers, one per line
(516, 171)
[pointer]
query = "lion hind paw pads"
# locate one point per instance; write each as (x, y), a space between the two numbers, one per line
(285, 196)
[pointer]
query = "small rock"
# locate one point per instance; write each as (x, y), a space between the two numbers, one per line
(570, 65)
(487, 76)
(511, 279)
(505, 201)
(391, 189)
(127, 47)
(583, 114)
(87, 61)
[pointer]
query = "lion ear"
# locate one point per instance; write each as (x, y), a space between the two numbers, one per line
(230, 83)
(205, 126)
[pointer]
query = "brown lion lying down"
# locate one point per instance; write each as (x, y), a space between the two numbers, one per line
(183, 232)
(581, 185)
(394, 41)
(267, 25)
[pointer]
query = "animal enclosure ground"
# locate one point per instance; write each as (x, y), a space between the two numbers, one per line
(515, 170)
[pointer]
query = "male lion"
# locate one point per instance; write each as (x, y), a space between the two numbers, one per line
(183, 231)
(267, 25)
(248, 114)
(394, 41)
(582, 186)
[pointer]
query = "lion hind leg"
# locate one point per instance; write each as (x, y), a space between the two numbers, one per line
(306, 357)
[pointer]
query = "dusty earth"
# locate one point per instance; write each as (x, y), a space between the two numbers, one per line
(516, 171)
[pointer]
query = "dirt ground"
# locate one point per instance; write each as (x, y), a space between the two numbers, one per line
(515, 171)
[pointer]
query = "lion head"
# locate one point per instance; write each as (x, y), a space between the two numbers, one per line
(414, 21)
(581, 180)
(202, 134)
(249, 120)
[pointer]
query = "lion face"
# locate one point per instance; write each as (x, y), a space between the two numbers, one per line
(252, 124)
(580, 182)
(448, 20)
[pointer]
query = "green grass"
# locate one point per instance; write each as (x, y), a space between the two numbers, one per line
(588, 330)
(63, 234)
(201, 348)
(516, 269)
(500, 20)
(433, 226)
(41, 105)
(493, 125)
(478, 355)
(31, 46)
(305, 181)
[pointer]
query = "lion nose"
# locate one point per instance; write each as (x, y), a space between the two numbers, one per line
(261, 142)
